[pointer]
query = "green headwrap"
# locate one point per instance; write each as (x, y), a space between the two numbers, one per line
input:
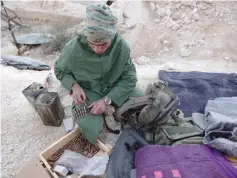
(100, 23)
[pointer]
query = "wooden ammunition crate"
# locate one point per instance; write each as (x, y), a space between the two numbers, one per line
(49, 152)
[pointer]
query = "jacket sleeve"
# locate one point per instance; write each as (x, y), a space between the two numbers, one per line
(62, 69)
(127, 82)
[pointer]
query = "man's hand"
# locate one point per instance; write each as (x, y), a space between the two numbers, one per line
(78, 94)
(98, 107)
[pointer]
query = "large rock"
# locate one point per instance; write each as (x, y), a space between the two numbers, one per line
(195, 17)
(203, 6)
(152, 6)
(185, 52)
(141, 61)
(161, 12)
(176, 26)
(226, 58)
(187, 3)
(175, 16)
(170, 23)
(194, 11)
(168, 12)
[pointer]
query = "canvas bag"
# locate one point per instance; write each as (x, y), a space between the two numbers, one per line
(122, 160)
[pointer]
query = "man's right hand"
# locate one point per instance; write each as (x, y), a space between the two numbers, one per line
(78, 94)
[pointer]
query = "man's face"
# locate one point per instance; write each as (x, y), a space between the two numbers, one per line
(99, 48)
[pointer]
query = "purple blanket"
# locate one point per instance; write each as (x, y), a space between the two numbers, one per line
(182, 161)
(194, 89)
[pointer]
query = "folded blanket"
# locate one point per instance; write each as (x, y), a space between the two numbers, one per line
(222, 136)
(195, 88)
(182, 161)
(220, 124)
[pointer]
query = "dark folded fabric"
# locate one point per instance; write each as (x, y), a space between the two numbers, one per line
(182, 161)
(195, 88)
(121, 161)
(23, 63)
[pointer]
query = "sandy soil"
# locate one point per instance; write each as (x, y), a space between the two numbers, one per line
(200, 36)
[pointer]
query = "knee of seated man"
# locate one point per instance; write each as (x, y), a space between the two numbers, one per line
(90, 122)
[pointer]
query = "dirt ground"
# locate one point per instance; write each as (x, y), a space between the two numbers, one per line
(180, 36)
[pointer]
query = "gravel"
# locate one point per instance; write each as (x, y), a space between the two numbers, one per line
(23, 133)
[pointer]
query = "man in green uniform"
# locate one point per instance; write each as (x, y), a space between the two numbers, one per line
(96, 67)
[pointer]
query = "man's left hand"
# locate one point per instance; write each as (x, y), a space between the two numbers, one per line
(98, 107)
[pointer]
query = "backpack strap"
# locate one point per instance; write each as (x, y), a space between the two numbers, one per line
(133, 103)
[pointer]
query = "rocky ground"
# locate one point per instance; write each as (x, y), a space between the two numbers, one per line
(170, 35)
